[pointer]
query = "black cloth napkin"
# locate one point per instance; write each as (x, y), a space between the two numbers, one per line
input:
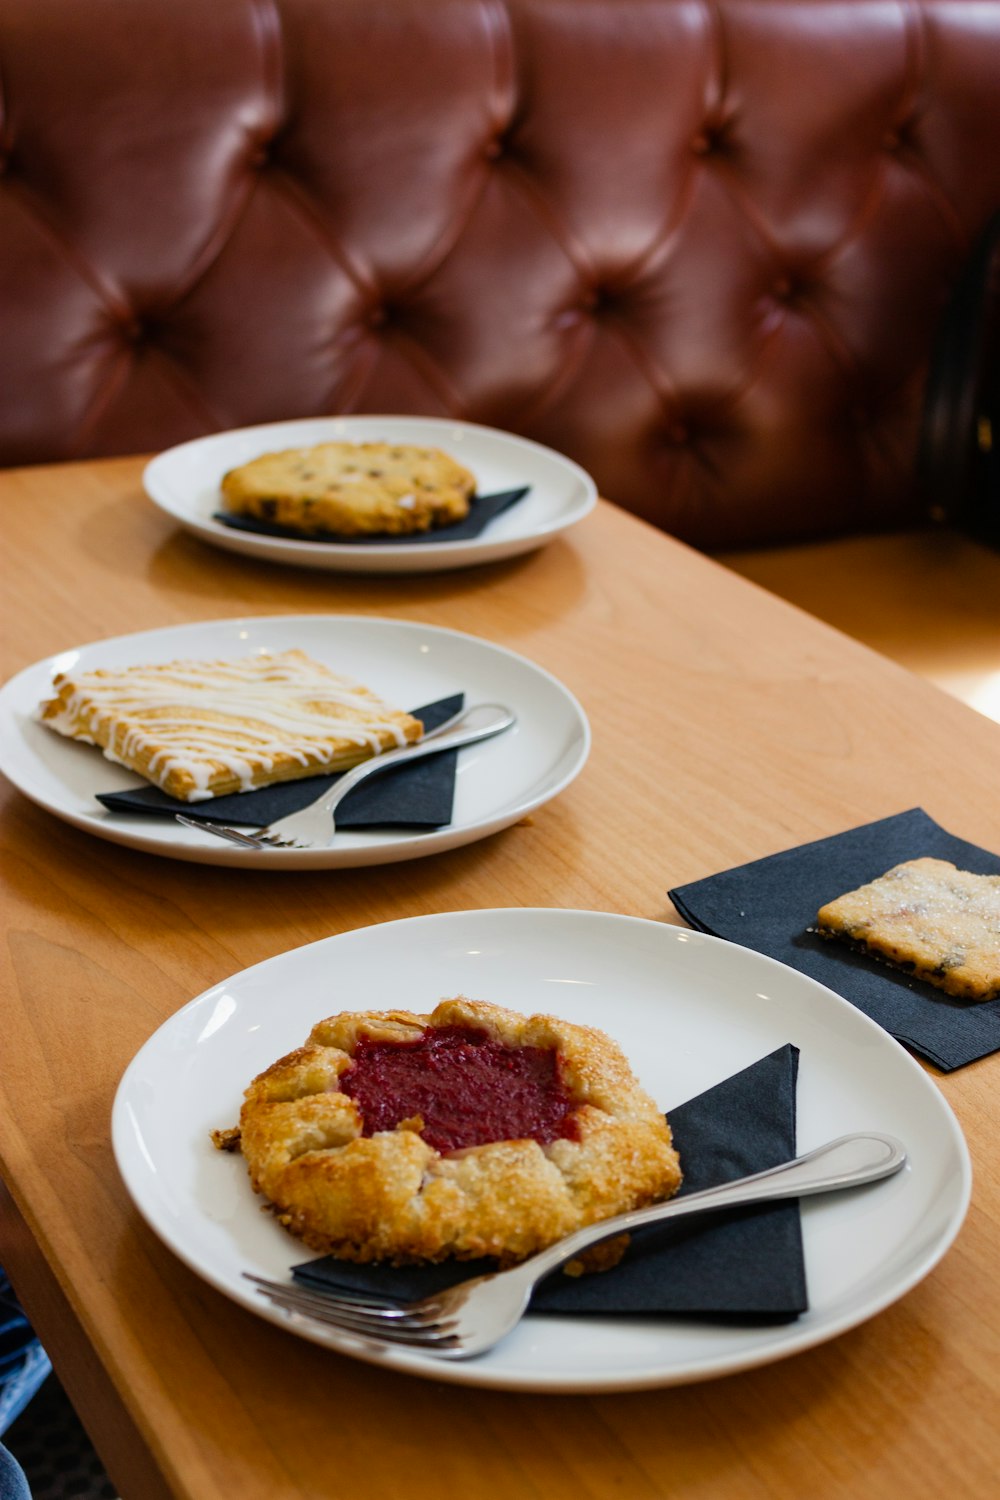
(483, 510)
(771, 904)
(738, 1265)
(417, 796)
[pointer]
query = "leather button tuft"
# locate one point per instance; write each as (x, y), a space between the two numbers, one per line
(378, 317)
(260, 156)
(784, 288)
(892, 140)
(133, 330)
(679, 434)
(711, 140)
(492, 150)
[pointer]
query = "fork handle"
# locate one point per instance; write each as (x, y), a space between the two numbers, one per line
(467, 727)
(848, 1161)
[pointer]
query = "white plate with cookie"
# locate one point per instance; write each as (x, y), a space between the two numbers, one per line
(498, 781)
(688, 1010)
(185, 482)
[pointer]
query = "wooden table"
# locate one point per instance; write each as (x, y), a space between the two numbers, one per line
(927, 598)
(751, 728)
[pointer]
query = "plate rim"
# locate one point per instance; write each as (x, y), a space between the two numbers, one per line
(388, 556)
(417, 845)
(461, 1373)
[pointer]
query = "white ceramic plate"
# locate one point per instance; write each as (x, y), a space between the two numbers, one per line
(689, 1011)
(184, 482)
(498, 781)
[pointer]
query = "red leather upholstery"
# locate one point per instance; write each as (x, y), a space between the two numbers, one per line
(699, 245)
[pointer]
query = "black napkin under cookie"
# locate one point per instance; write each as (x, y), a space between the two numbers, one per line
(482, 510)
(738, 1265)
(771, 904)
(417, 796)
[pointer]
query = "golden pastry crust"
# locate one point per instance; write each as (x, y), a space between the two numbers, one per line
(392, 1196)
(201, 729)
(351, 489)
(937, 922)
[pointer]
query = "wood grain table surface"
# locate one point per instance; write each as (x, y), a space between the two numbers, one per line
(928, 598)
(746, 727)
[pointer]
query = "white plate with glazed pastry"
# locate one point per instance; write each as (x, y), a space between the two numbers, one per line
(416, 477)
(687, 1011)
(314, 693)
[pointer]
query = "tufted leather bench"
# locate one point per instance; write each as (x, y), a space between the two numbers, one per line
(699, 245)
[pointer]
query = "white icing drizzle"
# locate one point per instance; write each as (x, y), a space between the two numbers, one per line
(261, 707)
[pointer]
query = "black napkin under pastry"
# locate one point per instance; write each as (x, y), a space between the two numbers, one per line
(483, 510)
(417, 796)
(771, 904)
(738, 1265)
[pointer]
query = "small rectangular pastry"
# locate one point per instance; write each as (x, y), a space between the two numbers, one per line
(351, 489)
(200, 729)
(937, 922)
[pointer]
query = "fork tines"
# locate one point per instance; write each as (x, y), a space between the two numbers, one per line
(370, 1317)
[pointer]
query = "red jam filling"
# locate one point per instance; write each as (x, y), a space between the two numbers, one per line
(467, 1088)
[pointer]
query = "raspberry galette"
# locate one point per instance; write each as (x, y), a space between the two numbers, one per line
(472, 1131)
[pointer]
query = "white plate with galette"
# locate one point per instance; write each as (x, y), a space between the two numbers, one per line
(399, 665)
(688, 1011)
(185, 482)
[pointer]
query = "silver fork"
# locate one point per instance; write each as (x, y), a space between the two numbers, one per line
(314, 826)
(470, 1318)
